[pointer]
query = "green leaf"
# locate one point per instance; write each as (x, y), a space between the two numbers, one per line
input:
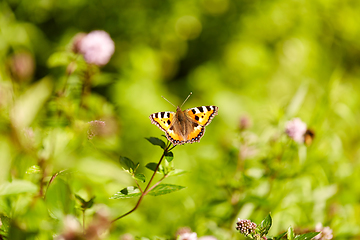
(169, 156)
(140, 177)
(60, 198)
(80, 199)
(307, 236)
(128, 192)
(18, 186)
(58, 59)
(157, 141)
(30, 103)
(162, 189)
(128, 164)
(33, 169)
(16, 232)
(151, 166)
(280, 236)
(177, 172)
(290, 233)
(264, 226)
(85, 204)
(5, 223)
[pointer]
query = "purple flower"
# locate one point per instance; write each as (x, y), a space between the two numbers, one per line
(97, 47)
(296, 129)
(22, 66)
(244, 123)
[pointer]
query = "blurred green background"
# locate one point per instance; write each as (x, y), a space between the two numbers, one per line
(266, 61)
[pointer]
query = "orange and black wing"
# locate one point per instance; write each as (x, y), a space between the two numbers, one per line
(202, 115)
(164, 121)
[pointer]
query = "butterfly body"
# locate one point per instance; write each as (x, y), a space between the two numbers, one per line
(186, 126)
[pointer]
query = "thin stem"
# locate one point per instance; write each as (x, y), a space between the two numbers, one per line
(138, 186)
(83, 222)
(51, 180)
(147, 186)
(149, 190)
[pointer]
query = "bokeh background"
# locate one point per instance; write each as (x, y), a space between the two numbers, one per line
(264, 62)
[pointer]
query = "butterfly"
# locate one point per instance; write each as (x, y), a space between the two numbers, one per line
(186, 126)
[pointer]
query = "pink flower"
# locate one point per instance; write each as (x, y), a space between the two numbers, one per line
(325, 232)
(96, 127)
(97, 47)
(296, 129)
(187, 236)
(71, 230)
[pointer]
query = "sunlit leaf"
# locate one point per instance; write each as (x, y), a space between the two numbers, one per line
(33, 169)
(128, 192)
(157, 142)
(140, 177)
(307, 236)
(127, 164)
(177, 172)
(290, 233)
(280, 236)
(17, 187)
(169, 156)
(162, 189)
(58, 59)
(264, 227)
(30, 103)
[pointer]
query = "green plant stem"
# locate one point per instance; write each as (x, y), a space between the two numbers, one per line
(146, 190)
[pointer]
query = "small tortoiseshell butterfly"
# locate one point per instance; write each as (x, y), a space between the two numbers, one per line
(186, 126)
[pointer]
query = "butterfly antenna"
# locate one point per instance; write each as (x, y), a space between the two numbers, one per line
(168, 101)
(186, 99)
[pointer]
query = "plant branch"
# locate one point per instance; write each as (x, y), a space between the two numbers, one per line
(137, 184)
(147, 189)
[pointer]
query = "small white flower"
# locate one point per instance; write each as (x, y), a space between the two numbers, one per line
(296, 129)
(97, 47)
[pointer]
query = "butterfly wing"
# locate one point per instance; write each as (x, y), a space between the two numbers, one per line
(202, 115)
(164, 121)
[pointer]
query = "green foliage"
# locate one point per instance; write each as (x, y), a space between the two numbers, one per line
(128, 192)
(263, 228)
(261, 231)
(157, 142)
(67, 125)
(85, 204)
(128, 164)
(162, 189)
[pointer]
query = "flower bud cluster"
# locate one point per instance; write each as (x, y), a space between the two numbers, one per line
(245, 226)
